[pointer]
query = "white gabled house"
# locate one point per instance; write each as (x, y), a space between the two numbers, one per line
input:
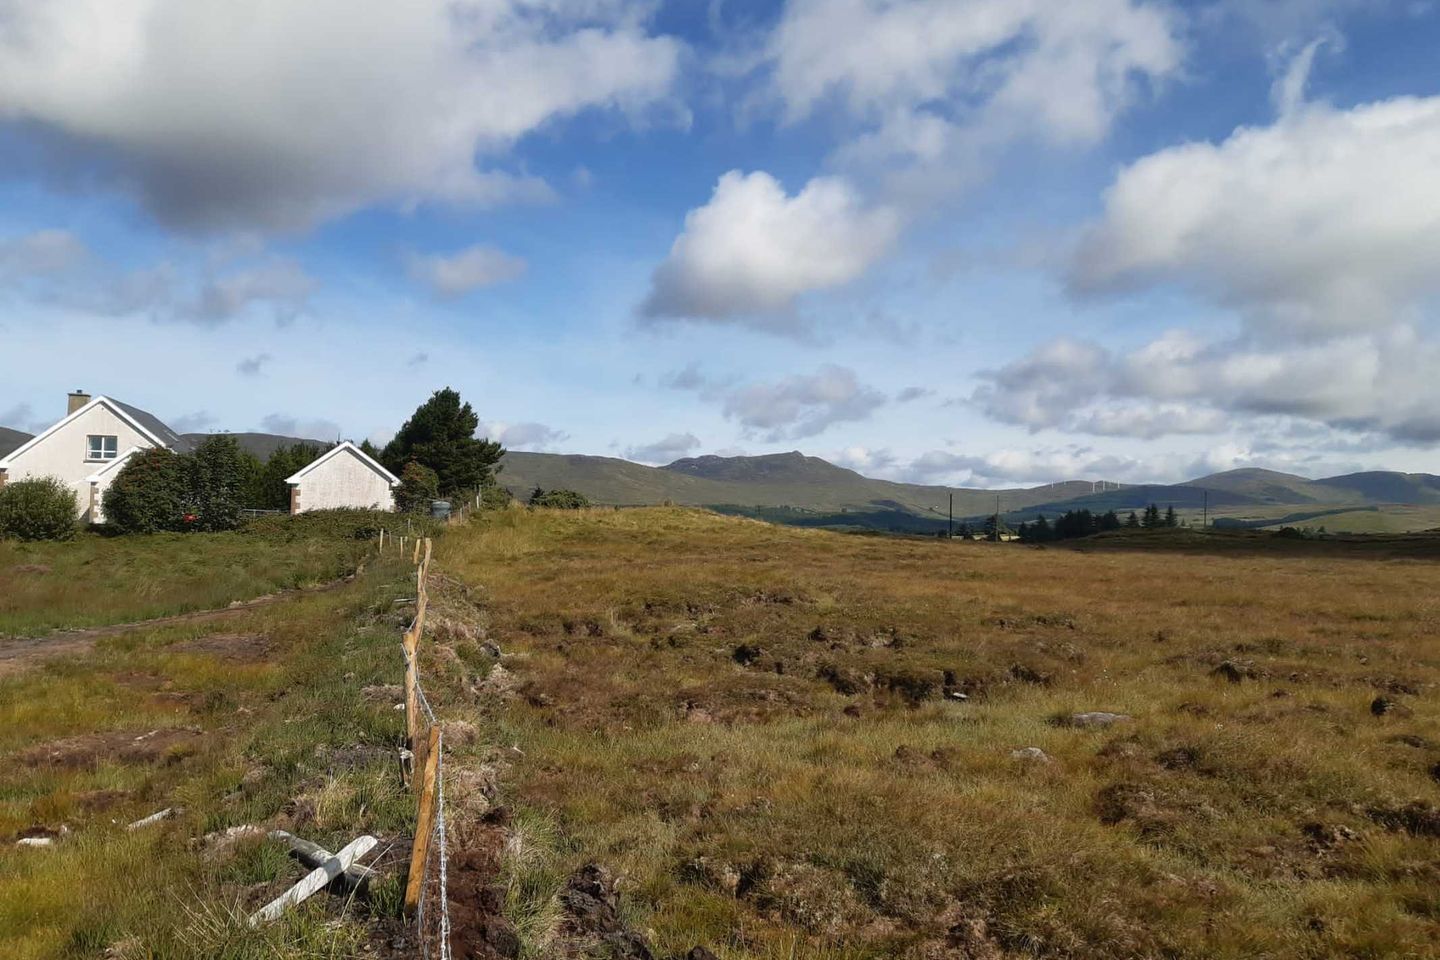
(87, 447)
(344, 476)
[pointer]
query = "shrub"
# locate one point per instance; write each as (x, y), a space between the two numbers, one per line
(418, 486)
(39, 509)
(558, 499)
(150, 493)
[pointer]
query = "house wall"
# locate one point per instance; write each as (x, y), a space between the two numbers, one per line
(62, 453)
(342, 481)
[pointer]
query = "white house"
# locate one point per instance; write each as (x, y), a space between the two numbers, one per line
(87, 448)
(344, 476)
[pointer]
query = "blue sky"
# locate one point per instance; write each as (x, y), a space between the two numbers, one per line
(983, 242)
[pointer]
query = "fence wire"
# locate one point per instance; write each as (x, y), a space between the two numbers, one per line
(433, 932)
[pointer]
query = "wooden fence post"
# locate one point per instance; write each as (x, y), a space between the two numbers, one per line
(416, 559)
(411, 641)
(425, 822)
(382, 539)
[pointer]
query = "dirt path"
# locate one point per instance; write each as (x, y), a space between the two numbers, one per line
(17, 653)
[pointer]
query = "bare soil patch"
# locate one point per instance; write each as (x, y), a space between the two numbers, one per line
(135, 746)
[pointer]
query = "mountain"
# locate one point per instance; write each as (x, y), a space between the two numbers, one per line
(781, 480)
(11, 440)
(1270, 486)
(1387, 487)
(260, 444)
(808, 491)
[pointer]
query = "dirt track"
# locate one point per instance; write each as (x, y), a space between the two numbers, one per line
(17, 653)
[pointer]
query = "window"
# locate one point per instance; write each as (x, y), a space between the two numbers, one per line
(102, 448)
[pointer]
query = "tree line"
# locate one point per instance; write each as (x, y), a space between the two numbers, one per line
(1083, 523)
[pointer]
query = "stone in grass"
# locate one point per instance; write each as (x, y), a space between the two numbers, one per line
(1095, 719)
(1380, 706)
(1034, 754)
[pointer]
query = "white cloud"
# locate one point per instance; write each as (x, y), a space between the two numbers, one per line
(665, 450)
(1377, 382)
(802, 405)
(917, 75)
(297, 112)
(753, 250)
(1326, 222)
(522, 436)
(464, 271)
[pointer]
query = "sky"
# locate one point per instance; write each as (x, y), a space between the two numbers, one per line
(975, 242)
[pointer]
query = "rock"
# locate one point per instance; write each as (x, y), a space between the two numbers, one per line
(35, 842)
(700, 953)
(1030, 753)
(1096, 719)
(1234, 670)
(491, 649)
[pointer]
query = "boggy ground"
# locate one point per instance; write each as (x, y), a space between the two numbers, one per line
(760, 733)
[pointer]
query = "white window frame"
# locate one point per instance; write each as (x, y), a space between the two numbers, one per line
(108, 448)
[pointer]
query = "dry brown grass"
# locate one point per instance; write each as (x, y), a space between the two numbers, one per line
(755, 726)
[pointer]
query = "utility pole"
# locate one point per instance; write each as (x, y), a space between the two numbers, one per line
(950, 522)
(1205, 510)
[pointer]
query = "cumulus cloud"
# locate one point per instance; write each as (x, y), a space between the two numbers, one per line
(753, 249)
(1378, 382)
(665, 450)
(868, 461)
(251, 366)
(521, 436)
(297, 112)
(282, 285)
(457, 274)
(920, 77)
(1325, 222)
(802, 405)
(197, 421)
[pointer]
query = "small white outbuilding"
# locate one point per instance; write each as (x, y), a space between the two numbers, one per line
(344, 476)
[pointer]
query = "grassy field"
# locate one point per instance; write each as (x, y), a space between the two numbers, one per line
(96, 580)
(760, 730)
(277, 716)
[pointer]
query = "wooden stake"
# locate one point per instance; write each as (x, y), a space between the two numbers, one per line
(427, 554)
(412, 696)
(382, 539)
(416, 559)
(424, 822)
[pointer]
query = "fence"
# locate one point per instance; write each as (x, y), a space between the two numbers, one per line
(423, 763)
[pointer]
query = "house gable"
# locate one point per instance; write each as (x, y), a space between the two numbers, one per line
(343, 448)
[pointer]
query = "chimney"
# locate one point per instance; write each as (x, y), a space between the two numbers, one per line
(78, 399)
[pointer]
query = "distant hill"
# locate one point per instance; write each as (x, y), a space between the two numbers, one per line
(790, 480)
(1388, 487)
(11, 440)
(260, 444)
(808, 491)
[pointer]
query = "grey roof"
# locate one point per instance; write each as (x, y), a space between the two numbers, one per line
(156, 426)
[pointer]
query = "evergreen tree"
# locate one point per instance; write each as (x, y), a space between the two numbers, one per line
(1110, 521)
(216, 470)
(1170, 520)
(269, 491)
(441, 435)
(1132, 521)
(1152, 517)
(1041, 530)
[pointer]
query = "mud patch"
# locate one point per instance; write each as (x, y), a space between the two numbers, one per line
(478, 927)
(234, 647)
(592, 917)
(88, 751)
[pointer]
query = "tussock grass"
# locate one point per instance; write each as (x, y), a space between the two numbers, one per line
(280, 738)
(817, 794)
